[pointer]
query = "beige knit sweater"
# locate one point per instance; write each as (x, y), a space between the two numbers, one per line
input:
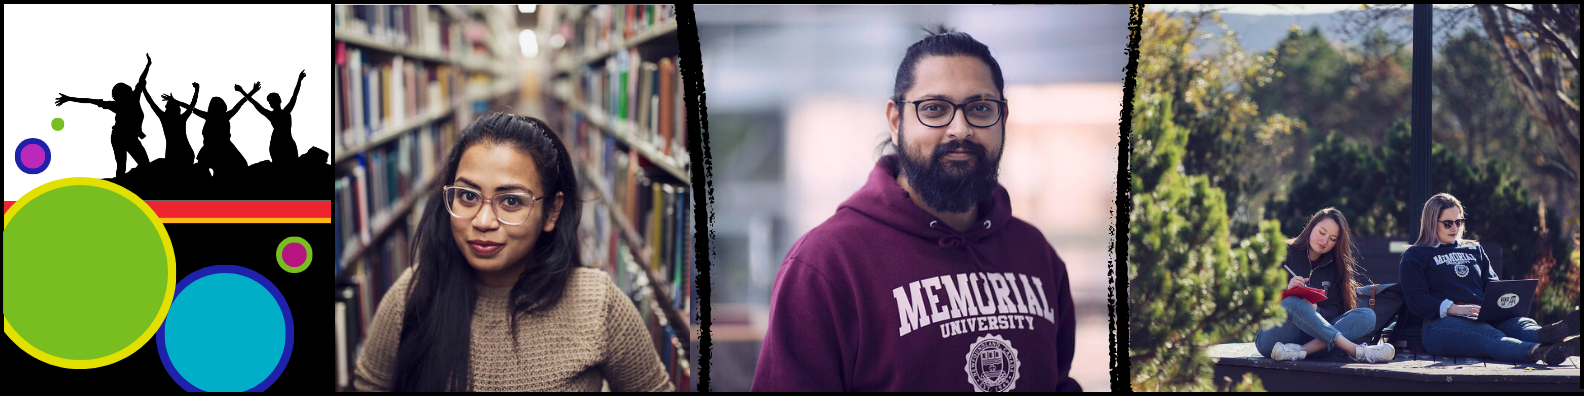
(593, 334)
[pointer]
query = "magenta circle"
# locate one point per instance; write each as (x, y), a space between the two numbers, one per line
(32, 156)
(294, 254)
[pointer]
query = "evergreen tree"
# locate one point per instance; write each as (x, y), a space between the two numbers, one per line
(1191, 283)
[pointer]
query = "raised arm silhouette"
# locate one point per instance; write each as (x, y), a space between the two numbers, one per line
(177, 150)
(128, 126)
(218, 153)
(283, 149)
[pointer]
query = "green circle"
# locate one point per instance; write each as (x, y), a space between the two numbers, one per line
(308, 259)
(58, 124)
(86, 272)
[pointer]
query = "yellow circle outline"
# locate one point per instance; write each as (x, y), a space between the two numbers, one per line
(170, 276)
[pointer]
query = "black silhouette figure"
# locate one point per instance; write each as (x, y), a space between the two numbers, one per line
(128, 126)
(218, 153)
(177, 149)
(283, 150)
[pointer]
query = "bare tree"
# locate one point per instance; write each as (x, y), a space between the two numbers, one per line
(1531, 48)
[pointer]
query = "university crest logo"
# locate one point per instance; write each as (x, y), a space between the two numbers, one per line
(992, 364)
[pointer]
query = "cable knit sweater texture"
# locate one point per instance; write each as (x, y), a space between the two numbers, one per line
(593, 334)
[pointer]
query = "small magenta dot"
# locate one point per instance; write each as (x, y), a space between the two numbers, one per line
(32, 156)
(294, 255)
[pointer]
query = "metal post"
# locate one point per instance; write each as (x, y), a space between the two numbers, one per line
(1419, 153)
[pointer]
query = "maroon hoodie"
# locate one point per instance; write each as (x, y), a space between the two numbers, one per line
(885, 297)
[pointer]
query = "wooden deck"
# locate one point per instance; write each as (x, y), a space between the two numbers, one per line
(1407, 372)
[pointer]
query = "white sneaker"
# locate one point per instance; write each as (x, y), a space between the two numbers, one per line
(1285, 351)
(1375, 353)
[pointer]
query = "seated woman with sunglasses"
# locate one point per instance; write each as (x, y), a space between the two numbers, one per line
(497, 299)
(1324, 251)
(1444, 275)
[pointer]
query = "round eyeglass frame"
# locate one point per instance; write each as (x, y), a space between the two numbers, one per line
(445, 193)
(1000, 114)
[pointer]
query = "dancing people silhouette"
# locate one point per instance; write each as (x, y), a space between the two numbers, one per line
(218, 152)
(128, 126)
(177, 149)
(283, 150)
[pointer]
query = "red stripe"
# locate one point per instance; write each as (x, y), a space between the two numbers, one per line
(235, 209)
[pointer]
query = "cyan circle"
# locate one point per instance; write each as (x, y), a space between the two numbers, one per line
(229, 330)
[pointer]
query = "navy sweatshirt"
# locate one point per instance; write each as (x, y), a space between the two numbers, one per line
(1325, 278)
(1434, 276)
(884, 296)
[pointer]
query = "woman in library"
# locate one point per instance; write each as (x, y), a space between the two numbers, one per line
(497, 299)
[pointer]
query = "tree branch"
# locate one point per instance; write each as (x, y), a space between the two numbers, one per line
(1567, 47)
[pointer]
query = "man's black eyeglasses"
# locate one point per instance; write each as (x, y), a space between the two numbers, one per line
(981, 113)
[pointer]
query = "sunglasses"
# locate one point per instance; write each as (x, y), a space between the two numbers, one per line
(1448, 223)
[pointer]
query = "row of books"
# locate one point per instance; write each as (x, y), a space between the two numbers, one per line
(424, 29)
(606, 23)
(652, 202)
(357, 299)
(673, 355)
(640, 289)
(380, 178)
(665, 227)
(349, 331)
(372, 95)
(657, 207)
(640, 101)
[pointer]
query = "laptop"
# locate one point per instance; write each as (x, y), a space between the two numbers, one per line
(1506, 300)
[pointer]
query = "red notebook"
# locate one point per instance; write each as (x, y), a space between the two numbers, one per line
(1313, 295)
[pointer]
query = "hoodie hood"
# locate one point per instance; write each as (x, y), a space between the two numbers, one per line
(882, 199)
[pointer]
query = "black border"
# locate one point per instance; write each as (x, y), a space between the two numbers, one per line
(1124, 201)
(698, 149)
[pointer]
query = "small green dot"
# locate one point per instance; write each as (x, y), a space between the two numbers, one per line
(58, 124)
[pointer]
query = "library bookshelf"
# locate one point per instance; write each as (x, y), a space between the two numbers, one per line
(616, 98)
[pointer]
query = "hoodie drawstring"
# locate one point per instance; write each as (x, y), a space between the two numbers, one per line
(959, 241)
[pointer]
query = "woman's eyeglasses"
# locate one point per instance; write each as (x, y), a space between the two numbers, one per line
(510, 208)
(1447, 224)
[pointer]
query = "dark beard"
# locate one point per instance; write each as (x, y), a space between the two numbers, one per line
(950, 186)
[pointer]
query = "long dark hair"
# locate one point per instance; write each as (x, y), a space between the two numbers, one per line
(434, 351)
(1346, 262)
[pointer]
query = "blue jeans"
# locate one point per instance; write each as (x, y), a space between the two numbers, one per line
(1508, 341)
(1304, 324)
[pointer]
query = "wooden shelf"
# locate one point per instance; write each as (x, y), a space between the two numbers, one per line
(386, 134)
(641, 253)
(472, 64)
(384, 227)
(666, 163)
(617, 44)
